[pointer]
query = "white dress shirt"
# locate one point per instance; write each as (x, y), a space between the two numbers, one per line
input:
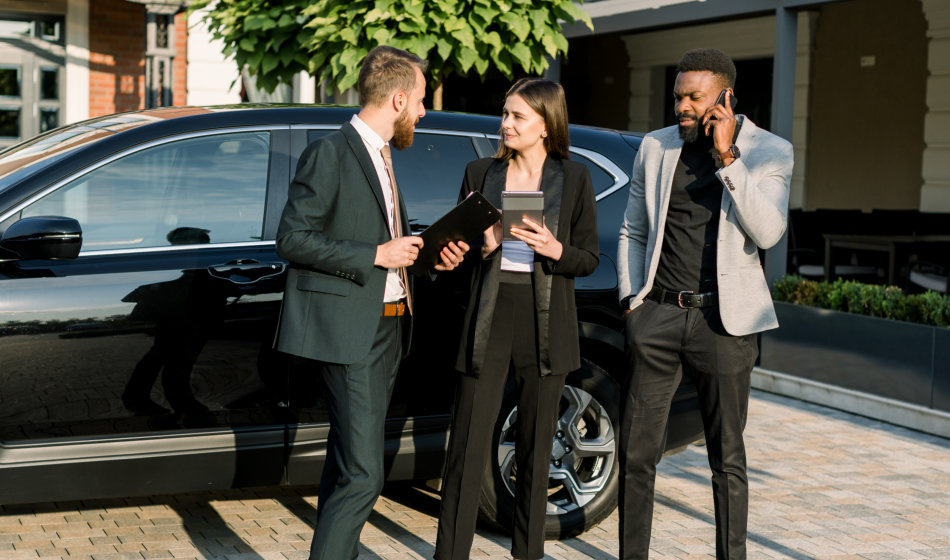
(394, 288)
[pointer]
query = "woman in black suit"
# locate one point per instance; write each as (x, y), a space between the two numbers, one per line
(521, 316)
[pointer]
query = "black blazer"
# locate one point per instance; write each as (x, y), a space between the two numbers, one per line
(334, 219)
(570, 212)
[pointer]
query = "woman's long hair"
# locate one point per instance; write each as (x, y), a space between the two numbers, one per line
(547, 99)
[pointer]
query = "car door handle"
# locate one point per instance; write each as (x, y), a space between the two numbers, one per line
(247, 271)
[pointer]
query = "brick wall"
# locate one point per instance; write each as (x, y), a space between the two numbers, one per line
(180, 62)
(117, 57)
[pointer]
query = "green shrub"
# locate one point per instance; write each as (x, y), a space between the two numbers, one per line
(889, 302)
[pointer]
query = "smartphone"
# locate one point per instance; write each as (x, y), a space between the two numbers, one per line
(721, 100)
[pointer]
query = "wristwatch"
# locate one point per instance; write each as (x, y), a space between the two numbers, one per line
(732, 152)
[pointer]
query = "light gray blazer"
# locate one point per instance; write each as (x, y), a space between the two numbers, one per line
(753, 215)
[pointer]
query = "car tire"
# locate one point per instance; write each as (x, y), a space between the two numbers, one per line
(583, 485)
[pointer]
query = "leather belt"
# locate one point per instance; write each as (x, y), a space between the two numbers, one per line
(684, 298)
(395, 309)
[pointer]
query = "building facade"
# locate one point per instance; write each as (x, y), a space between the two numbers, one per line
(841, 79)
(62, 61)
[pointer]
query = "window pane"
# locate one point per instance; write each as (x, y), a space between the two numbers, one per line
(49, 83)
(10, 81)
(49, 119)
(600, 178)
(314, 134)
(9, 123)
(13, 28)
(49, 31)
(430, 174)
(199, 190)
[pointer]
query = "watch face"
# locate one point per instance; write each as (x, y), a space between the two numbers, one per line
(735, 151)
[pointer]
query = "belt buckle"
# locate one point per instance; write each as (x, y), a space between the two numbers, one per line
(679, 297)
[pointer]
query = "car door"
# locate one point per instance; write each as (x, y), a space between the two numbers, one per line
(149, 354)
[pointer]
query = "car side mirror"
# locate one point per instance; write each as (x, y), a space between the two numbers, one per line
(43, 237)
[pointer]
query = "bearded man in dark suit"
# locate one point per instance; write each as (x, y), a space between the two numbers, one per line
(348, 302)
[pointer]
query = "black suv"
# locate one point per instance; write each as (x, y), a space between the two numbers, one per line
(144, 365)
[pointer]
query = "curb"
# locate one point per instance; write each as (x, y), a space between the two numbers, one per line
(900, 413)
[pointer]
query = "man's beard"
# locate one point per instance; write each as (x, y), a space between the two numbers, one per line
(689, 133)
(404, 129)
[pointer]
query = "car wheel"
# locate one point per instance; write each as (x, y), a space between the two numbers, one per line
(583, 472)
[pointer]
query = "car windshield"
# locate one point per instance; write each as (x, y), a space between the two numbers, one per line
(34, 155)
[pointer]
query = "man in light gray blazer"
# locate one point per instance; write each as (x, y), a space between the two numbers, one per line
(705, 196)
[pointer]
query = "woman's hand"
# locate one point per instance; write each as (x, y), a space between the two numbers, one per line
(540, 239)
(492, 239)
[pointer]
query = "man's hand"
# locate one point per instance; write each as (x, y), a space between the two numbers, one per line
(540, 239)
(721, 121)
(398, 252)
(452, 255)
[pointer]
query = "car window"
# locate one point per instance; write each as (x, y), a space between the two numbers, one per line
(430, 174)
(600, 178)
(315, 134)
(209, 189)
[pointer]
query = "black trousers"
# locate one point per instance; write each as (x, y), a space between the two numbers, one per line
(513, 342)
(357, 396)
(663, 342)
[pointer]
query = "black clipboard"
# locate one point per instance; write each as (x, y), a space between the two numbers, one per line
(469, 219)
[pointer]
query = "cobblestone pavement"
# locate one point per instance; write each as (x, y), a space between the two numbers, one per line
(824, 485)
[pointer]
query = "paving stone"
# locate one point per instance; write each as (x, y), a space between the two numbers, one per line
(823, 484)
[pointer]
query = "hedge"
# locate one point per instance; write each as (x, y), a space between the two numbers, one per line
(889, 302)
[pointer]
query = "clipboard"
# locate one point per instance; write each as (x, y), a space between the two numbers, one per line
(469, 219)
(515, 205)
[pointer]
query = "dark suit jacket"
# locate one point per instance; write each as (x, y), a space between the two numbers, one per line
(570, 212)
(334, 219)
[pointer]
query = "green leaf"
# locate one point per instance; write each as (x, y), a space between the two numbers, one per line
(269, 62)
(253, 60)
(571, 12)
(481, 65)
(521, 55)
(485, 13)
(288, 57)
(349, 35)
(352, 57)
(256, 21)
(550, 46)
(518, 25)
(374, 15)
(248, 43)
(539, 23)
(466, 37)
(466, 58)
(443, 47)
(503, 63)
(494, 40)
(347, 80)
(381, 36)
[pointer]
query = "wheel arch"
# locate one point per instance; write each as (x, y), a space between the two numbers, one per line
(605, 347)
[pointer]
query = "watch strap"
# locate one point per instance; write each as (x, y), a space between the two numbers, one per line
(732, 152)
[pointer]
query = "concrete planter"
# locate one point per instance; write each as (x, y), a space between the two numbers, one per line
(895, 360)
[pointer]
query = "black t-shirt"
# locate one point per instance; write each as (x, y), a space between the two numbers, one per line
(688, 257)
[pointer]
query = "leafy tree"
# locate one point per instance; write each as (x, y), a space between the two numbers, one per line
(274, 39)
